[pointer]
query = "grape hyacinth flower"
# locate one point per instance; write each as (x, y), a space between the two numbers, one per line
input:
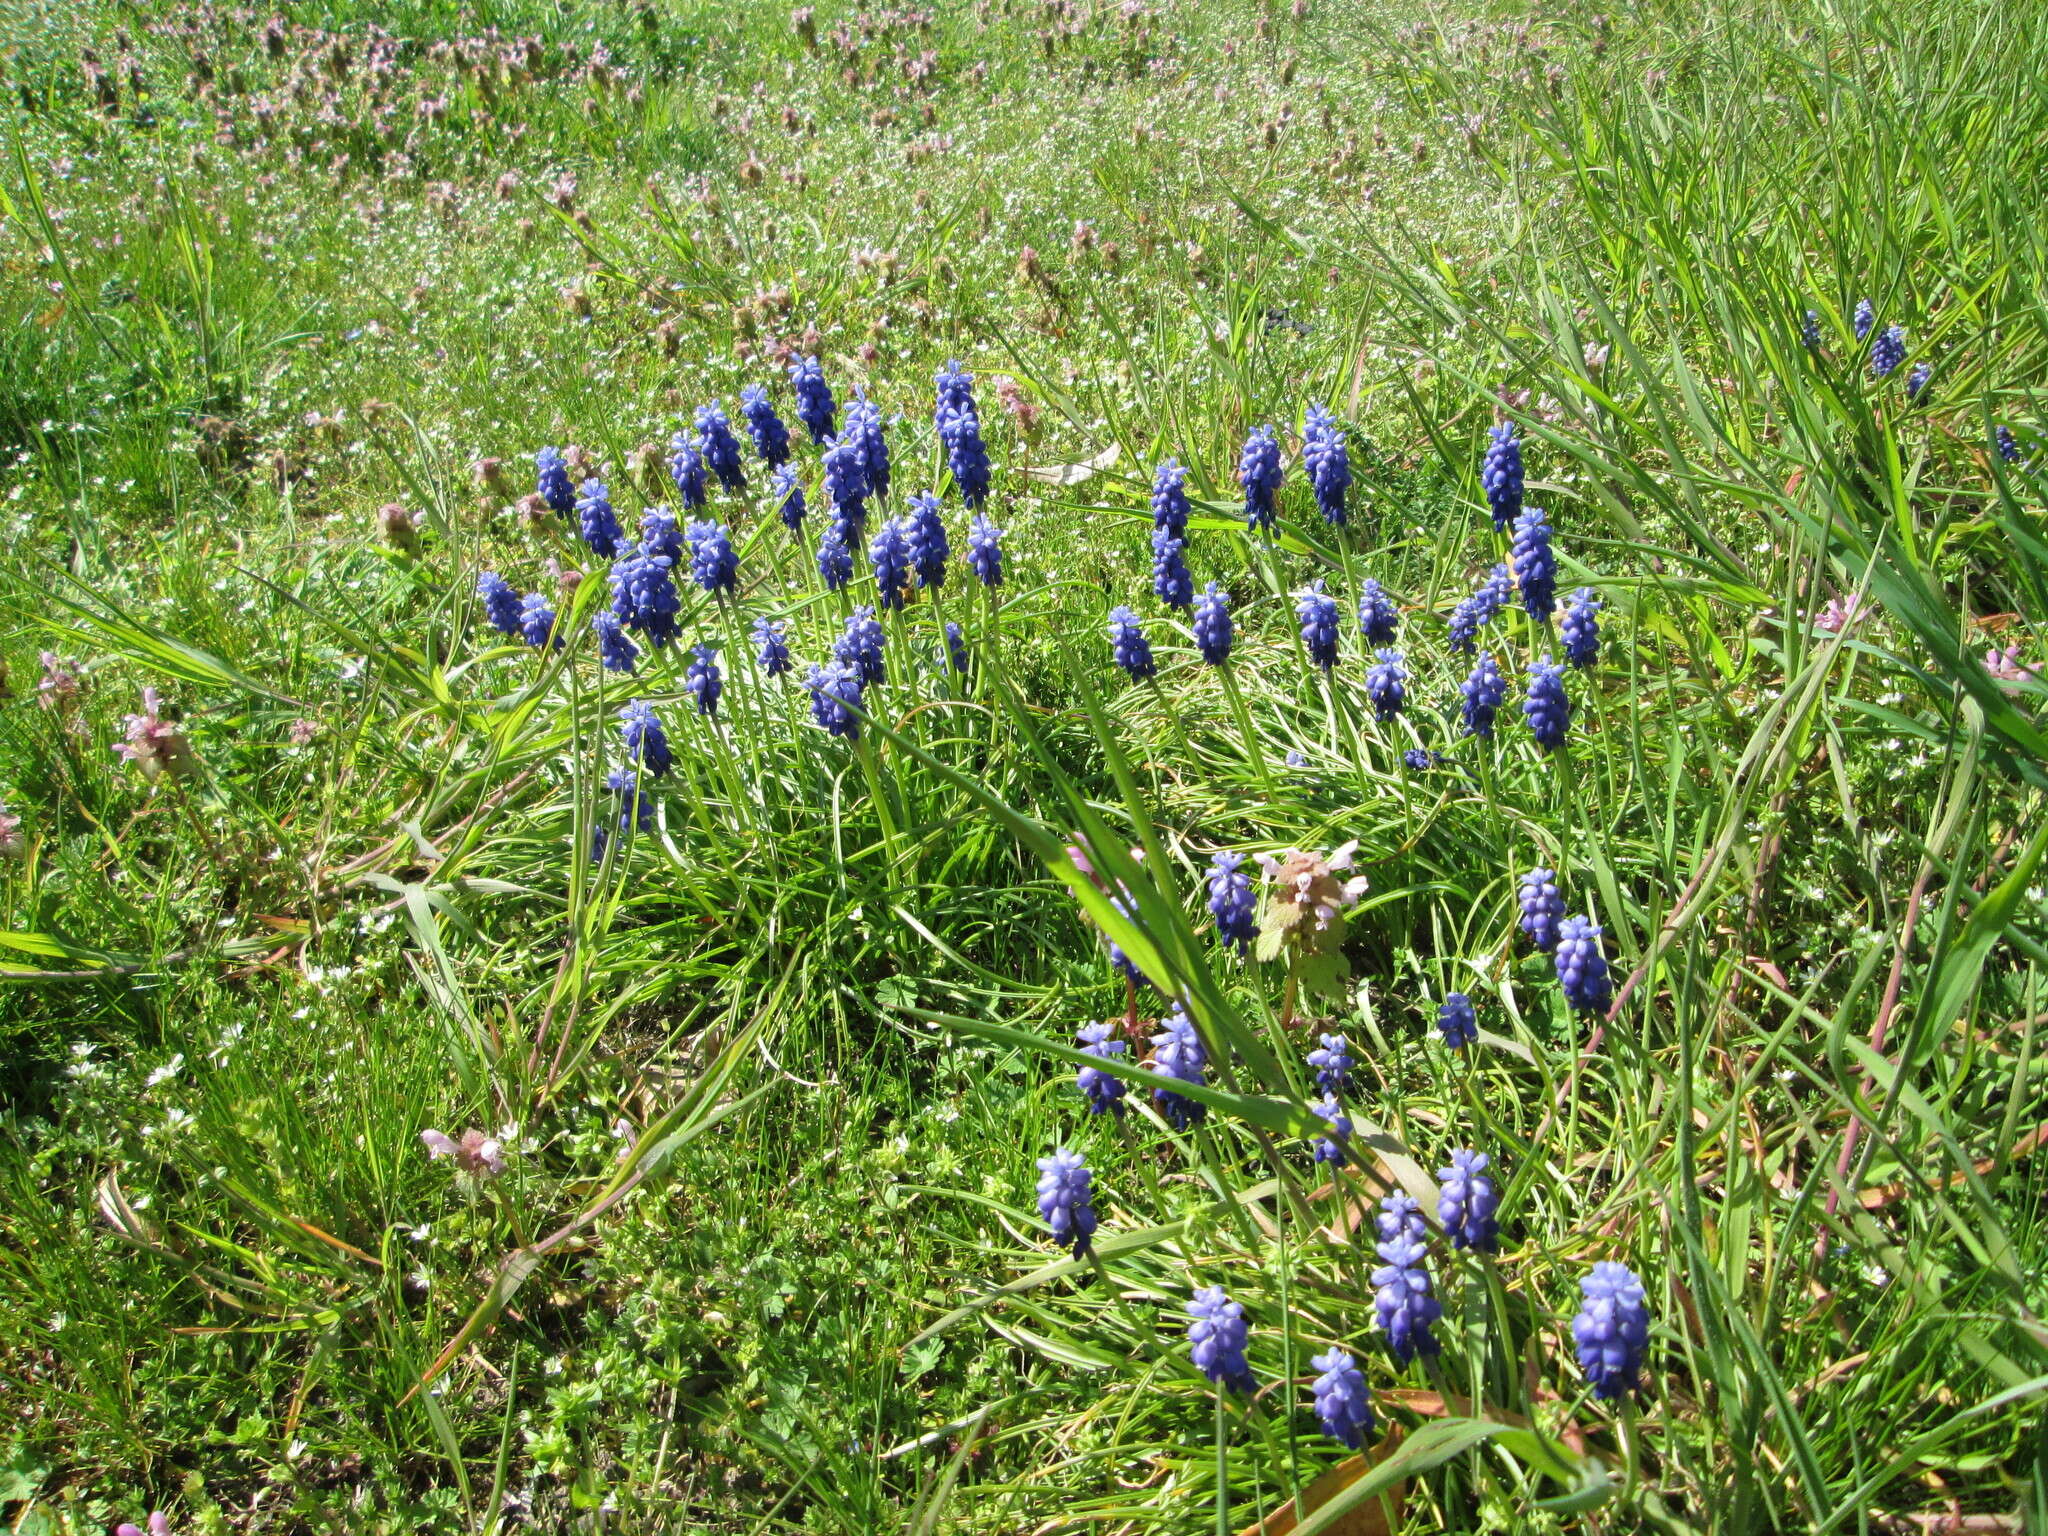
(616, 651)
(720, 448)
(1231, 902)
(1917, 380)
(596, 520)
(1400, 1220)
(1491, 595)
(1580, 631)
(1104, 1090)
(1581, 968)
(1542, 906)
(1865, 317)
(1500, 473)
(789, 497)
(1259, 472)
(636, 811)
(1612, 1329)
(1332, 1061)
(1467, 1202)
(1065, 1193)
(1379, 621)
(773, 643)
(1216, 1339)
(860, 646)
(646, 741)
(955, 386)
(1546, 707)
(1343, 1404)
(1177, 1052)
(1328, 463)
(537, 621)
(889, 557)
(771, 437)
(864, 426)
(1317, 611)
(956, 647)
(815, 407)
(2008, 446)
(1170, 499)
(1457, 1022)
(1421, 759)
(1330, 1147)
(835, 698)
(846, 484)
(1172, 583)
(714, 565)
(644, 595)
(1212, 626)
(966, 454)
(1402, 1299)
(1485, 691)
(985, 550)
(702, 680)
(686, 468)
(1384, 685)
(1127, 910)
(501, 604)
(1888, 351)
(661, 535)
(1128, 644)
(926, 541)
(1535, 564)
(835, 560)
(552, 474)
(1809, 330)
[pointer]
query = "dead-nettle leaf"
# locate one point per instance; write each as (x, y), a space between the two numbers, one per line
(1324, 972)
(1074, 474)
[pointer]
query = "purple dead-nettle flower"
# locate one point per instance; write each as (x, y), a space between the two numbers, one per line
(646, 741)
(1104, 1090)
(966, 454)
(661, 534)
(846, 484)
(1838, 614)
(1331, 1146)
(1170, 500)
(1535, 564)
(1485, 691)
(2008, 666)
(644, 594)
(552, 473)
(1328, 463)
(1542, 904)
(864, 424)
(1612, 1329)
(1332, 1062)
(1172, 583)
(476, 1155)
(861, 646)
(1379, 621)
(835, 560)
(1385, 685)
(1547, 707)
(1457, 1022)
(1177, 1052)
(985, 550)
(1343, 1403)
(1865, 318)
(1216, 1339)
(153, 745)
(1232, 902)
(772, 646)
(789, 496)
(926, 538)
(771, 437)
(1065, 1199)
(1888, 351)
(702, 680)
(1317, 612)
(714, 564)
(889, 557)
(60, 684)
(1580, 631)
(815, 407)
(1212, 626)
(1259, 472)
(1581, 967)
(1305, 886)
(836, 699)
(1501, 475)
(616, 651)
(1467, 1201)
(686, 468)
(537, 621)
(720, 448)
(596, 520)
(501, 603)
(1917, 380)
(159, 1524)
(1128, 644)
